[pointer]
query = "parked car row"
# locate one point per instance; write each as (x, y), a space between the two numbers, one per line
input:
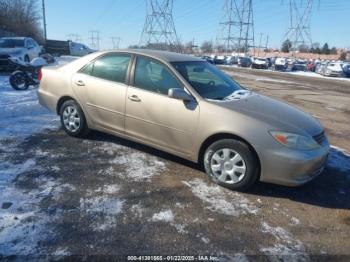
(325, 68)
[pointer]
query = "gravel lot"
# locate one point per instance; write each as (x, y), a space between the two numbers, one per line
(104, 196)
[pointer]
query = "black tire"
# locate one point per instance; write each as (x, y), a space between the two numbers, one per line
(83, 128)
(251, 163)
(19, 81)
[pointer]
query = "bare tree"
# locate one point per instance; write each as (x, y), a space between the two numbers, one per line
(21, 17)
(207, 47)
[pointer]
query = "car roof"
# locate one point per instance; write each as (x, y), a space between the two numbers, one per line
(160, 55)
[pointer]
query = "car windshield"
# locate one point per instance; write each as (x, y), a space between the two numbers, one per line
(207, 80)
(11, 43)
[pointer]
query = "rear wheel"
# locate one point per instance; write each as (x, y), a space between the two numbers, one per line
(19, 80)
(232, 164)
(73, 119)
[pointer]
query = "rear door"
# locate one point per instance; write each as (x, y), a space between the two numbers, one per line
(102, 87)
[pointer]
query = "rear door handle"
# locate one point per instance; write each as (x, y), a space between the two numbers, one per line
(80, 83)
(134, 98)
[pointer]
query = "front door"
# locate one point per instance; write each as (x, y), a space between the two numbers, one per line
(154, 117)
(101, 85)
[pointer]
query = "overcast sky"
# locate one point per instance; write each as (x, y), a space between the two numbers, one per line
(198, 19)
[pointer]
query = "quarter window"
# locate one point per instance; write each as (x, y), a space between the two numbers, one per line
(152, 76)
(110, 67)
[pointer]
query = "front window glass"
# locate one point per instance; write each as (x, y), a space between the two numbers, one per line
(153, 76)
(11, 43)
(207, 80)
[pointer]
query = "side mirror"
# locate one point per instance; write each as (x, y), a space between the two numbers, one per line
(178, 93)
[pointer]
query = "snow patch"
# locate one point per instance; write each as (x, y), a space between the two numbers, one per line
(104, 210)
(21, 114)
(166, 216)
(138, 166)
(9, 171)
(24, 226)
(219, 200)
(287, 248)
(313, 74)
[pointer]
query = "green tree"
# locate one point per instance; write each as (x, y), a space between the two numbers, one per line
(286, 46)
(325, 49)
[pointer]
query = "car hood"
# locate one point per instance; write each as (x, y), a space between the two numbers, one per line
(8, 51)
(278, 115)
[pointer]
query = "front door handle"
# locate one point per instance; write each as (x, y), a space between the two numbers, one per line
(134, 98)
(80, 83)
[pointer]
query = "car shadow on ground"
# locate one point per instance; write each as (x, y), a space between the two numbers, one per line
(331, 189)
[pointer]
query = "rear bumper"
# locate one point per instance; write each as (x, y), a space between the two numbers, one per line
(293, 168)
(48, 100)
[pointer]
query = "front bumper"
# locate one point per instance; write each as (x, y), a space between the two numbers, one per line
(289, 167)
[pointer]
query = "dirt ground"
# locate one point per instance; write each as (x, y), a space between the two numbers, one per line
(108, 198)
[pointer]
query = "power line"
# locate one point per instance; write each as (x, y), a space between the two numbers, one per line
(159, 28)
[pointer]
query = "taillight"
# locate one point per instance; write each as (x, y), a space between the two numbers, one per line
(40, 75)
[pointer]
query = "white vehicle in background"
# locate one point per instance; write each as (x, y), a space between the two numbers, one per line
(77, 49)
(281, 64)
(333, 69)
(21, 48)
(260, 63)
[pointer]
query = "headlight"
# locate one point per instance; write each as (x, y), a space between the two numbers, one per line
(328, 71)
(295, 141)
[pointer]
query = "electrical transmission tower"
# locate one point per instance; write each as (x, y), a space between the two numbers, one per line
(299, 32)
(95, 39)
(74, 37)
(237, 26)
(116, 42)
(159, 29)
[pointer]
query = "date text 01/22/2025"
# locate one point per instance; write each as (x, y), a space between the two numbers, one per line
(173, 258)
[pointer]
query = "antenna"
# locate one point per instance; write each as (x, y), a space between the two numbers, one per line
(237, 26)
(159, 29)
(299, 32)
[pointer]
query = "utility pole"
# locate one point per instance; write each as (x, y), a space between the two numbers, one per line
(299, 31)
(95, 39)
(44, 19)
(237, 26)
(115, 42)
(261, 35)
(159, 29)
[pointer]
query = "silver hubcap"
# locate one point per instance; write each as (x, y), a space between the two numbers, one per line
(228, 166)
(71, 118)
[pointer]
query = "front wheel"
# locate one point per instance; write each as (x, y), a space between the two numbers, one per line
(232, 164)
(19, 80)
(73, 119)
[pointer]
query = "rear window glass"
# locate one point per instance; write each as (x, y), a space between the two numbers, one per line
(112, 67)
